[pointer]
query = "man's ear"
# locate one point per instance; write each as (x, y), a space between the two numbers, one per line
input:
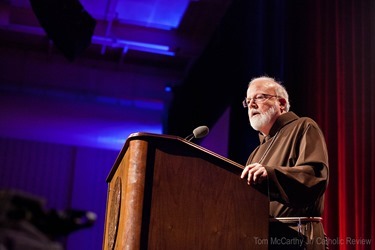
(282, 104)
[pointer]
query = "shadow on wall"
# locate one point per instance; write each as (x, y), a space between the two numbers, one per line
(26, 224)
(66, 177)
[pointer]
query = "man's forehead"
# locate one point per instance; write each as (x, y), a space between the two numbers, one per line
(261, 85)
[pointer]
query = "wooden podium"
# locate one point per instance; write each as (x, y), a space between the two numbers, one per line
(170, 194)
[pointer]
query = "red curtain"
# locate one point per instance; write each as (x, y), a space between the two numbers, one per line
(342, 75)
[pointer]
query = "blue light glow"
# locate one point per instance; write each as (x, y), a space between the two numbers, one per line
(168, 88)
(146, 47)
(161, 14)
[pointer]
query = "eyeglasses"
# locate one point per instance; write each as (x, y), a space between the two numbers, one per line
(260, 98)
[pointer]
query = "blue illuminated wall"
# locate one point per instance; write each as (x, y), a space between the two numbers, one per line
(62, 124)
(163, 14)
(64, 176)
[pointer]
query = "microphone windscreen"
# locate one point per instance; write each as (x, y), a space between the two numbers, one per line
(201, 131)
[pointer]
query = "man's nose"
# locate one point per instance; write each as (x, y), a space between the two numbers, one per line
(253, 104)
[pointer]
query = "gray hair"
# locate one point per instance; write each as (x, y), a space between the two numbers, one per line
(279, 89)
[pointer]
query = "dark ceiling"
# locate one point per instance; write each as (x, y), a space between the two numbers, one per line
(137, 51)
(144, 31)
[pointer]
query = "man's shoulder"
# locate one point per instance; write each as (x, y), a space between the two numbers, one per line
(307, 120)
(292, 117)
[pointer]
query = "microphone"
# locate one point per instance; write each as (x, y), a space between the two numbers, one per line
(198, 132)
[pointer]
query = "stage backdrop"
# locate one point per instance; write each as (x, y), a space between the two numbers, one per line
(341, 83)
(324, 53)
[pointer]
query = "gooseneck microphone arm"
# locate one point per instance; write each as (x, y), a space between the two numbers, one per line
(189, 137)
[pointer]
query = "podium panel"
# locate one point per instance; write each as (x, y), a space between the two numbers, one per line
(167, 193)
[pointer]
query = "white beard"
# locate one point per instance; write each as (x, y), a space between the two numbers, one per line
(259, 121)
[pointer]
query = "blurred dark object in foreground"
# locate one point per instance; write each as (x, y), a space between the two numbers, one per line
(25, 224)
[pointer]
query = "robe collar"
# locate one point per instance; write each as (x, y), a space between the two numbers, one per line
(280, 122)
